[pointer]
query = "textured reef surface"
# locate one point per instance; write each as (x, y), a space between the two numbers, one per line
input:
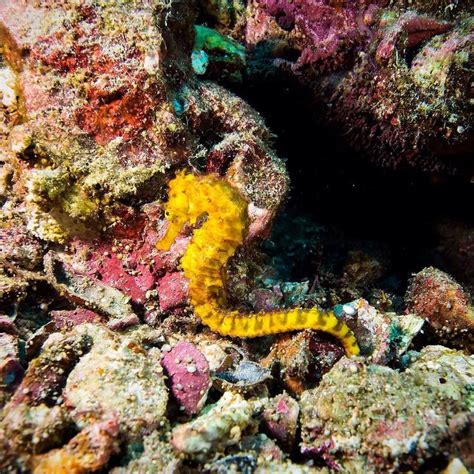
(173, 295)
(394, 77)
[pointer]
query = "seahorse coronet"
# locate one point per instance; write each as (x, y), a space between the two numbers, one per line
(191, 196)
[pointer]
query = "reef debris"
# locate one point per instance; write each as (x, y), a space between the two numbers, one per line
(280, 419)
(359, 413)
(189, 376)
(11, 369)
(383, 336)
(83, 290)
(84, 377)
(117, 376)
(220, 427)
(436, 296)
(301, 359)
(88, 451)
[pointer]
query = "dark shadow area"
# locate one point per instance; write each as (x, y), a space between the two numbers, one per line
(331, 186)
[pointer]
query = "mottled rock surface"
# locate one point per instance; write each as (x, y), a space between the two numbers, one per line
(392, 78)
(434, 295)
(360, 411)
(220, 427)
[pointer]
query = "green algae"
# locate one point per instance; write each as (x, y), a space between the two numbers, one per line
(218, 47)
(200, 61)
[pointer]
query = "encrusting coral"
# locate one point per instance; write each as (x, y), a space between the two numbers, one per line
(190, 198)
(105, 115)
(357, 420)
(392, 79)
(104, 366)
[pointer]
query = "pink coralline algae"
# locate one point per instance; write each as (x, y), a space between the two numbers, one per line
(188, 371)
(281, 419)
(83, 290)
(127, 260)
(65, 320)
(411, 29)
(375, 70)
(326, 31)
(173, 291)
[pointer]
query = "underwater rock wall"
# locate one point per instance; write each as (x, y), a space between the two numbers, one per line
(104, 365)
(108, 105)
(393, 78)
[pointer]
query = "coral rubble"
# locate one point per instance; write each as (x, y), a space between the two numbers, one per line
(358, 416)
(142, 286)
(220, 427)
(435, 296)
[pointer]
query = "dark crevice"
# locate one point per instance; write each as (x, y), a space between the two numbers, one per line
(335, 187)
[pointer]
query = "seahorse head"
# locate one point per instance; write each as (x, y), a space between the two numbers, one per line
(191, 196)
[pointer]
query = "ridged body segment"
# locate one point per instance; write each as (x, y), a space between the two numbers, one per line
(223, 213)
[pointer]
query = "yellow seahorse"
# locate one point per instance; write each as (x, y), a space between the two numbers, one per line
(190, 199)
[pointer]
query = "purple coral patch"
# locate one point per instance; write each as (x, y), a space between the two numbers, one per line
(189, 376)
(173, 291)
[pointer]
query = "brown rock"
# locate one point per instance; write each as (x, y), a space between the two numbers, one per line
(435, 296)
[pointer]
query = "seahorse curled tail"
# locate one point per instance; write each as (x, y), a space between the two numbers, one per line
(223, 210)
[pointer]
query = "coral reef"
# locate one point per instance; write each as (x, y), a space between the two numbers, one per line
(391, 78)
(434, 295)
(358, 416)
(106, 114)
(138, 200)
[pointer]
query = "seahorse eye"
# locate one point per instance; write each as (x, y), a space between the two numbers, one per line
(167, 214)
